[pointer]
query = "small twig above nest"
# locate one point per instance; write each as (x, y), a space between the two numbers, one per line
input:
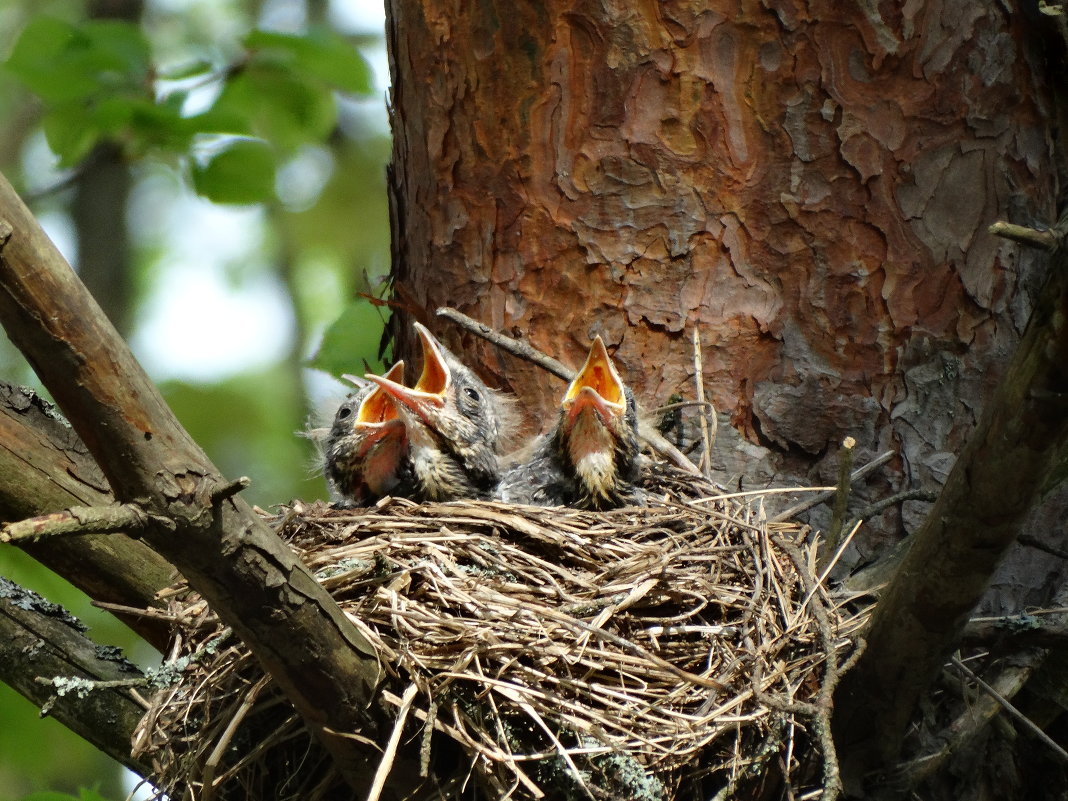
(856, 475)
(1032, 237)
(708, 433)
(525, 350)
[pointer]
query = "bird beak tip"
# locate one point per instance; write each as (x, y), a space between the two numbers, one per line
(436, 376)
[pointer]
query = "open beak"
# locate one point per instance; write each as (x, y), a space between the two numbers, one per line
(376, 410)
(597, 386)
(436, 376)
(430, 390)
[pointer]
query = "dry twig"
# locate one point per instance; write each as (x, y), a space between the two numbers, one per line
(527, 351)
(708, 437)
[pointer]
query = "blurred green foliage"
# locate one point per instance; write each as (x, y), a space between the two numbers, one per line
(241, 171)
(202, 93)
(97, 80)
(83, 795)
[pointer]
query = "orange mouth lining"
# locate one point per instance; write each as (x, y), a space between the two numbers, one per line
(436, 376)
(377, 408)
(599, 375)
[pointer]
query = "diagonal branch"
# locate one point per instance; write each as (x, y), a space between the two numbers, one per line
(323, 664)
(1018, 449)
(37, 639)
(44, 467)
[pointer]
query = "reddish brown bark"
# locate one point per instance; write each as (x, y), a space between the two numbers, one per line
(808, 184)
(1019, 445)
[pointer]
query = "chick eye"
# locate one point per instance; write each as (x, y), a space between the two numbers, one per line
(343, 412)
(472, 393)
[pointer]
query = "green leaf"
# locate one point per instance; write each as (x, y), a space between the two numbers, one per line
(351, 340)
(119, 48)
(37, 59)
(70, 132)
(279, 106)
(185, 70)
(321, 54)
(86, 794)
(63, 62)
(221, 119)
(242, 171)
(148, 124)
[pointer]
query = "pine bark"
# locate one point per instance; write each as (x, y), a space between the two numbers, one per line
(808, 185)
(1018, 450)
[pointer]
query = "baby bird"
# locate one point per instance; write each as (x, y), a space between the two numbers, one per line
(366, 454)
(591, 459)
(455, 426)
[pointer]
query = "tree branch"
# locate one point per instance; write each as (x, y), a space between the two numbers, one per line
(256, 584)
(1032, 237)
(516, 347)
(1016, 631)
(1018, 446)
(961, 732)
(999, 697)
(44, 467)
(841, 501)
(39, 639)
(128, 517)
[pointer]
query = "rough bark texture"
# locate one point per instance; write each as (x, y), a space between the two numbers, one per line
(39, 639)
(809, 184)
(44, 468)
(1018, 449)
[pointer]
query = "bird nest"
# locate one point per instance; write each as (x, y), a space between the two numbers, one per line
(678, 650)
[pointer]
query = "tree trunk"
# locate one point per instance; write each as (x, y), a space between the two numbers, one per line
(98, 208)
(1018, 449)
(809, 187)
(806, 186)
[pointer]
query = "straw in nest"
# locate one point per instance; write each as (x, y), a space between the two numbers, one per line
(675, 651)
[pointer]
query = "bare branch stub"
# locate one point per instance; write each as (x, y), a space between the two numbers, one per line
(841, 500)
(856, 475)
(127, 518)
(1032, 237)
